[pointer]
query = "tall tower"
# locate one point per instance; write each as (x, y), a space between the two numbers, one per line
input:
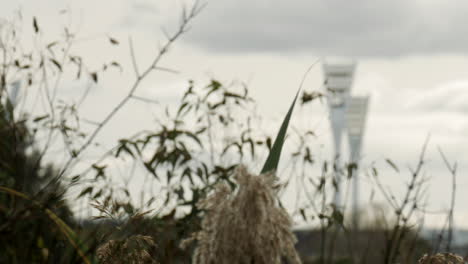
(356, 118)
(338, 82)
(14, 92)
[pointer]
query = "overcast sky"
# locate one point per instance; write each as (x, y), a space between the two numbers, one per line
(412, 61)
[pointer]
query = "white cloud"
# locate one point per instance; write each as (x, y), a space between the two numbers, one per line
(451, 97)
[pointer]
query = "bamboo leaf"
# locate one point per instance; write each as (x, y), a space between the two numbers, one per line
(113, 41)
(272, 161)
(57, 64)
(36, 27)
(94, 76)
(393, 165)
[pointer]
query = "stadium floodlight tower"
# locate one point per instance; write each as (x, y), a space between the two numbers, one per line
(356, 118)
(338, 82)
(14, 92)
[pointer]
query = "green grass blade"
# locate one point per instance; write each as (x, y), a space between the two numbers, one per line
(272, 161)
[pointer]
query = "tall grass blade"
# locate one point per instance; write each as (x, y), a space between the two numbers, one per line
(272, 161)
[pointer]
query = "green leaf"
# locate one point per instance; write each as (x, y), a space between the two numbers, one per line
(124, 147)
(75, 178)
(50, 45)
(393, 165)
(39, 118)
(117, 65)
(36, 27)
(273, 158)
(303, 214)
(86, 191)
(338, 217)
(94, 76)
(113, 41)
(57, 64)
(181, 108)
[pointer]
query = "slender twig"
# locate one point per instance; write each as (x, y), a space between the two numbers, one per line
(414, 242)
(166, 70)
(143, 99)
(84, 95)
(94, 123)
(45, 85)
(186, 18)
(133, 57)
(453, 171)
(391, 250)
(62, 61)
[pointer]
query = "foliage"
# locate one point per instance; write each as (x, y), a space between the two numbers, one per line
(190, 165)
(31, 206)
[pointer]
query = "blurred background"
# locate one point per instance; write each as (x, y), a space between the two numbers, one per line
(410, 59)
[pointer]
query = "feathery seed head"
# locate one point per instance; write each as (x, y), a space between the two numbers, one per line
(244, 226)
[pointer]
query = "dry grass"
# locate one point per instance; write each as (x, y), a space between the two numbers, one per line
(132, 250)
(441, 258)
(244, 226)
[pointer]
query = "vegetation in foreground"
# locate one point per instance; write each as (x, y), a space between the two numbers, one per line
(203, 205)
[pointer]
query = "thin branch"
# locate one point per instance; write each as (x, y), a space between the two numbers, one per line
(186, 18)
(90, 122)
(84, 95)
(133, 57)
(453, 172)
(146, 100)
(391, 250)
(62, 62)
(166, 70)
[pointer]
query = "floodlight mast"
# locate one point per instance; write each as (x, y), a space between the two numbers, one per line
(13, 94)
(338, 82)
(356, 117)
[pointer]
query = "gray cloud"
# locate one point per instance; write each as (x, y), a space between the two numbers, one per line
(447, 98)
(333, 27)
